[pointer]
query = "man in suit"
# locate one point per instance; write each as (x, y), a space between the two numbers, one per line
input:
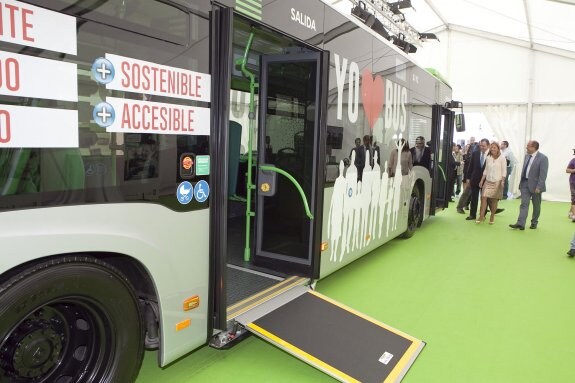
(359, 157)
(421, 154)
(532, 185)
(474, 174)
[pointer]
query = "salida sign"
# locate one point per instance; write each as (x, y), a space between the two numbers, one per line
(377, 95)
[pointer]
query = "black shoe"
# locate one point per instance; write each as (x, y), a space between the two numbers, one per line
(460, 210)
(533, 226)
(571, 253)
(466, 207)
(470, 218)
(497, 211)
(517, 226)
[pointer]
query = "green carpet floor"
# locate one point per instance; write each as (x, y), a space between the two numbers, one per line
(494, 305)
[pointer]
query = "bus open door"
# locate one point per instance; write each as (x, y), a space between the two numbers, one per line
(443, 120)
(291, 145)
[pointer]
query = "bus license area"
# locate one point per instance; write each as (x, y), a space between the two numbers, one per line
(159, 118)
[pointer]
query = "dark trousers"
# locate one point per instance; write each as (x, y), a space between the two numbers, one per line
(464, 197)
(506, 184)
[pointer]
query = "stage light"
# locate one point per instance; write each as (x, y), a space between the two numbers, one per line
(427, 36)
(360, 11)
(404, 45)
(402, 4)
(379, 28)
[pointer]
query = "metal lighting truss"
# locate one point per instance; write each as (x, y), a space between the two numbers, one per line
(394, 23)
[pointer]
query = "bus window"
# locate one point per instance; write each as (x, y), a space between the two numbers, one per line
(106, 166)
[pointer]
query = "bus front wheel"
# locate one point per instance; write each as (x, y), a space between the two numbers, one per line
(72, 319)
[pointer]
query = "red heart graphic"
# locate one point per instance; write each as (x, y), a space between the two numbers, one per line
(372, 92)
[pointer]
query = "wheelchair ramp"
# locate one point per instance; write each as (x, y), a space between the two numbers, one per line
(336, 339)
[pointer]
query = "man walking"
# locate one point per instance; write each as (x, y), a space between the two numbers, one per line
(474, 174)
(532, 185)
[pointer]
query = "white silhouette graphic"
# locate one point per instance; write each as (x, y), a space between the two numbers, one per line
(375, 186)
(365, 199)
(348, 204)
(360, 210)
(335, 220)
(383, 191)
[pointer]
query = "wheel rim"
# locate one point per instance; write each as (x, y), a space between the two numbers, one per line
(58, 343)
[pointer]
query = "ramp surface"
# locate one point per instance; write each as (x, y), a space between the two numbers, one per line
(338, 340)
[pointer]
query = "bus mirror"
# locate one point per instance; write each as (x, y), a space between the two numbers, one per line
(460, 123)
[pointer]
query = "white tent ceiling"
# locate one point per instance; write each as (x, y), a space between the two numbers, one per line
(535, 23)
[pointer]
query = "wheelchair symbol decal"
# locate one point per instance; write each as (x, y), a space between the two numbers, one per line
(201, 191)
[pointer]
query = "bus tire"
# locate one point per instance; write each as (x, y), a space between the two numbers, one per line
(71, 319)
(415, 214)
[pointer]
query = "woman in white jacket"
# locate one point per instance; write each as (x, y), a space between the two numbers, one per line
(492, 181)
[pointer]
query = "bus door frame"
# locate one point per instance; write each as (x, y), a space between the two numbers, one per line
(443, 120)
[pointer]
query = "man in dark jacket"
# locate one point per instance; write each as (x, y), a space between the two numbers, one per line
(474, 174)
(421, 154)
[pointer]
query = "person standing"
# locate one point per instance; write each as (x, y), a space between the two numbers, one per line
(459, 169)
(473, 146)
(571, 169)
(532, 185)
(511, 162)
(492, 182)
(452, 165)
(466, 193)
(474, 175)
(359, 161)
(421, 154)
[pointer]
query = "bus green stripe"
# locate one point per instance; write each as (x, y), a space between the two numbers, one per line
(249, 13)
(255, 3)
(249, 7)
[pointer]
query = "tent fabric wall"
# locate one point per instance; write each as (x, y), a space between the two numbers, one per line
(524, 94)
(508, 123)
(553, 128)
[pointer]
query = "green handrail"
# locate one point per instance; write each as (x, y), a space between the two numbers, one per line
(252, 116)
(293, 181)
(442, 172)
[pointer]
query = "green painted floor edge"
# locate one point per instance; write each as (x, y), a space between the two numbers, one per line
(493, 305)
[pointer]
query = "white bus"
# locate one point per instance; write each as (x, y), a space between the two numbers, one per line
(175, 173)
